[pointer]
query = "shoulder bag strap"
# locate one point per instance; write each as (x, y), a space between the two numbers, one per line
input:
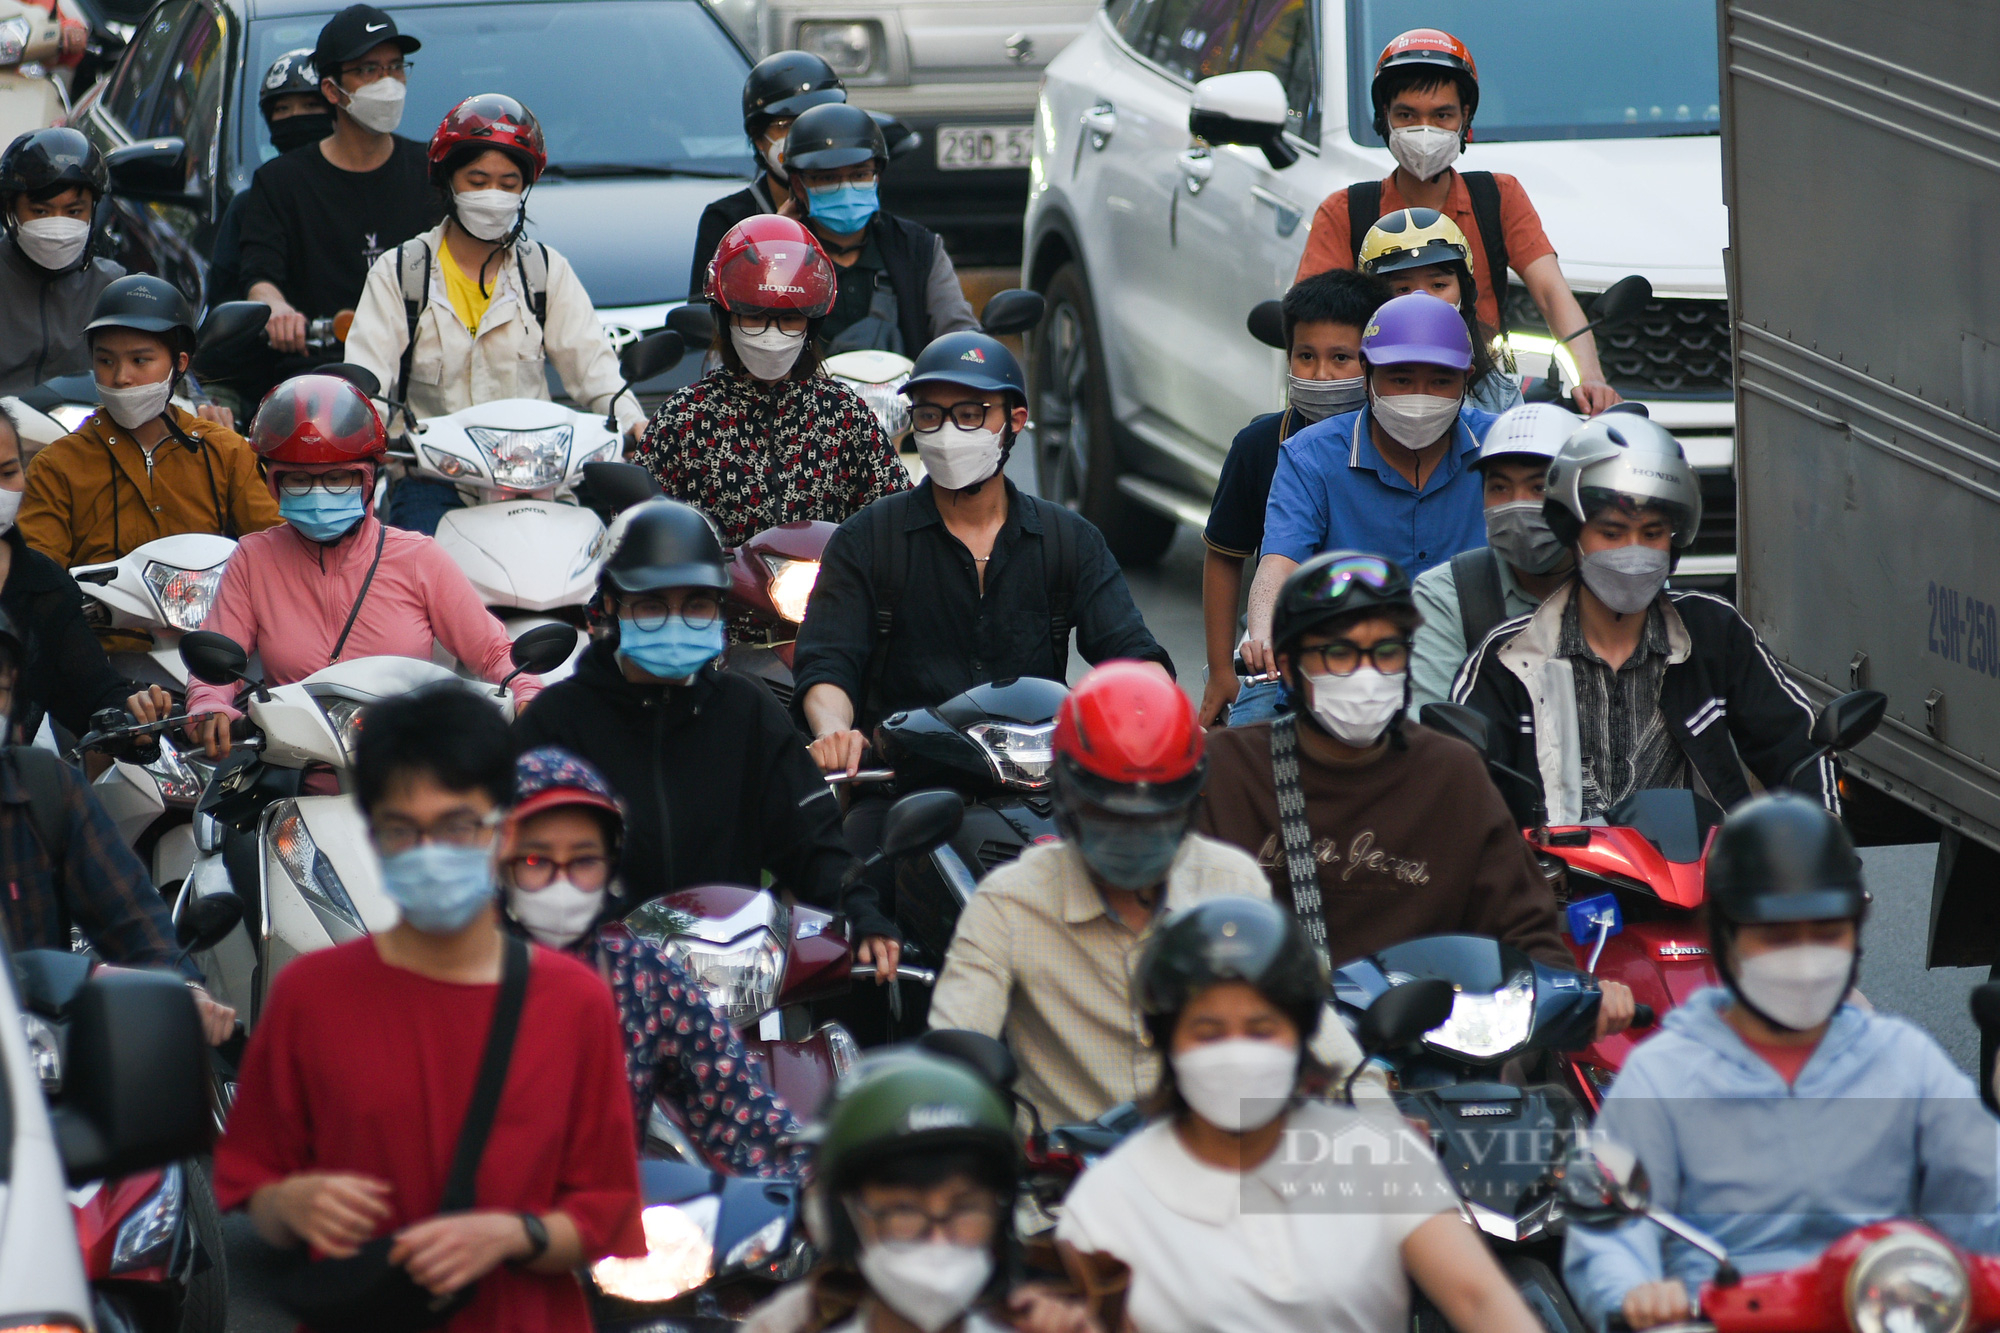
(458, 1186)
(1482, 602)
(531, 262)
(381, 536)
(1485, 192)
(1364, 208)
(1300, 871)
(414, 272)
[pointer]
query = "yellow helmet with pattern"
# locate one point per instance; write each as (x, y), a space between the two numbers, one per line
(1413, 238)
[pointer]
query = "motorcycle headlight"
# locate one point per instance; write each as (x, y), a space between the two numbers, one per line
(742, 978)
(1483, 1026)
(176, 778)
(680, 1253)
(183, 595)
(1908, 1283)
(309, 870)
(345, 715)
(145, 1236)
(71, 416)
(14, 35)
(448, 465)
(791, 585)
(524, 460)
(841, 1048)
(1021, 756)
(44, 1051)
(758, 1248)
(886, 401)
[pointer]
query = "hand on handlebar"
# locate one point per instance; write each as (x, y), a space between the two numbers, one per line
(1594, 396)
(1652, 1303)
(150, 704)
(1615, 1010)
(881, 953)
(286, 330)
(839, 752)
(1257, 657)
(211, 732)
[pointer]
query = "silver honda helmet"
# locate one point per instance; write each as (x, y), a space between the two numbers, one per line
(1622, 459)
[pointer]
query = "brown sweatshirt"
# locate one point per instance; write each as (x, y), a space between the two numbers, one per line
(1409, 843)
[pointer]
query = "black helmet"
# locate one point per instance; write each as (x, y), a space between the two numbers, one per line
(834, 135)
(971, 360)
(141, 301)
(45, 159)
(1335, 584)
(786, 83)
(1231, 939)
(290, 73)
(1783, 858)
(663, 544)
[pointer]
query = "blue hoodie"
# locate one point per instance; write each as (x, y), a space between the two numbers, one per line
(1880, 1124)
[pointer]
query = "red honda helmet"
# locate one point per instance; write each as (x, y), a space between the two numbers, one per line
(1126, 742)
(770, 265)
(312, 419)
(1433, 47)
(490, 120)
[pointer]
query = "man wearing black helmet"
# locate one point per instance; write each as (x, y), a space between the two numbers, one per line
(51, 182)
(898, 290)
(780, 86)
(296, 116)
(1770, 1112)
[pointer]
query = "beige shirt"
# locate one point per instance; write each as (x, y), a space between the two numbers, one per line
(1039, 961)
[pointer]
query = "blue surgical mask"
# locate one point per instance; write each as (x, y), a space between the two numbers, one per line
(671, 652)
(1129, 853)
(844, 209)
(321, 517)
(439, 887)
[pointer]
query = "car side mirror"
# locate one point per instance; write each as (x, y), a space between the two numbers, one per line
(1248, 107)
(1267, 323)
(214, 659)
(983, 1055)
(1015, 310)
(150, 170)
(361, 377)
(1622, 302)
(232, 321)
(901, 139)
(1456, 720)
(543, 648)
(654, 354)
(695, 322)
(609, 489)
(208, 921)
(920, 821)
(135, 1077)
(1850, 719)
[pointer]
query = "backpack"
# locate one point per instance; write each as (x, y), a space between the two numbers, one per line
(1482, 602)
(1364, 209)
(413, 268)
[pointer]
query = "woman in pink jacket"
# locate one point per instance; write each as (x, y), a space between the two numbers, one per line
(333, 582)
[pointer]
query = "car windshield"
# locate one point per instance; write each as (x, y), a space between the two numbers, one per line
(1559, 69)
(661, 96)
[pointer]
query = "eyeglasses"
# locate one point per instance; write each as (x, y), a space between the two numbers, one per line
(400, 835)
(927, 417)
(971, 1222)
(296, 484)
(372, 70)
(1331, 585)
(651, 613)
(1391, 657)
(538, 872)
(770, 323)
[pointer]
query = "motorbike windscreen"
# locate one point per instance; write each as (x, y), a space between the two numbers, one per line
(1557, 69)
(1674, 819)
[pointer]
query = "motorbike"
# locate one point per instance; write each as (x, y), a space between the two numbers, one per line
(163, 589)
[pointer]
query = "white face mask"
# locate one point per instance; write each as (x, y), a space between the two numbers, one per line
(1238, 1084)
(1424, 150)
(54, 243)
(956, 459)
(773, 153)
(1414, 420)
(1798, 987)
(487, 214)
(558, 915)
(135, 406)
(929, 1284)
(1626, 578)
(378, 106)
(1316, 400)
(10, 508)
(1358, 707)
(770, 354)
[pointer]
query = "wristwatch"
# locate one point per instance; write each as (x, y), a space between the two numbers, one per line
(538, 1238)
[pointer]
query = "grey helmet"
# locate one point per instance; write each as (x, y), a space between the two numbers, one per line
(1622, 457)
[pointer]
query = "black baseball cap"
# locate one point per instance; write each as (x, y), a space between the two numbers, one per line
(353, 33)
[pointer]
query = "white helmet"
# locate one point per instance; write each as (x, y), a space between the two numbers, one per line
(1622, 458)
(1538, 429)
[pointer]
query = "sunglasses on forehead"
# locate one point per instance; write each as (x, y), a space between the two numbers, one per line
(1331, 585)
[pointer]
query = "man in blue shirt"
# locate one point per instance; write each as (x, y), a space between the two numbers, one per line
(1396, 478)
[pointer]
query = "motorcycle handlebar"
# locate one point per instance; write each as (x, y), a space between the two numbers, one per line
(1643, 1016)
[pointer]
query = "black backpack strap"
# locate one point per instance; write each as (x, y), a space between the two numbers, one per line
(531, 263)
(1300, 872)
(41, 775)
(381, 536)
(1482, 602)
(416, 284)
(1485, 192)
(888, 569)
(1059, 573)
(1364, 209)
(458, 1186)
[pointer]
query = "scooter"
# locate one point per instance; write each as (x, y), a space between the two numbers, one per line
(163, 589)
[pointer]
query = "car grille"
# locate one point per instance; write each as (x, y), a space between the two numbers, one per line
(1678, 348)
(1717, 534)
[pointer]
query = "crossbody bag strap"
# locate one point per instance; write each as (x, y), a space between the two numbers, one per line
(1296, 836)
(458, 1186)
(381, 536)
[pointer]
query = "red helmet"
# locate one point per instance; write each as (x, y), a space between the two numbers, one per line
(768, 265)
(1435, 48)
(490, 120)
(1126, 741)
(313, 419)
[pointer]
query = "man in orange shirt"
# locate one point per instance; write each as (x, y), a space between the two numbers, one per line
(1425, 93)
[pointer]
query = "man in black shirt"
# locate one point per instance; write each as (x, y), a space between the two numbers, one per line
(320, 215)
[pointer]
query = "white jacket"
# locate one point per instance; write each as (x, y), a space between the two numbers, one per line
(455, 367)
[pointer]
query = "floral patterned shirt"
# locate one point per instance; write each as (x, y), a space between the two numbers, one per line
(678, 1045)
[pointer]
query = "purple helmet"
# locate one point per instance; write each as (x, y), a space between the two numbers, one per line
(1419, 328)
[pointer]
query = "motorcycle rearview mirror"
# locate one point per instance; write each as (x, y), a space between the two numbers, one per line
(609, 489)
(1620, 303)
(983, 1055)
(1248, 107)
(543, 648)
(361, 377)
(1850, 719)
(695, 322)
(216, 659)
(1267, 323)
(655, 354)
(1986, 1013)
(1602, 1183)
(1015, 310)
(1400, 1016)
(1456, 720)
(230, 322)
(920, 821)
(901, 139)
(207, 922)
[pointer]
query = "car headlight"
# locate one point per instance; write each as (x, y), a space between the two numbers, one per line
(146, 1235)
(1908, 1283)
(1021, 756)
(853, 49)
(309, 870)
(1483, 1026)
(448, 464)
(183, 595)
(791, 585)
(14, 34)
(742, 978)
(345, 717)
(177, 780)
(44, 1051)
(680, 1254)
(524, 460)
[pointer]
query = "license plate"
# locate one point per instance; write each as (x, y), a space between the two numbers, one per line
(984, 147)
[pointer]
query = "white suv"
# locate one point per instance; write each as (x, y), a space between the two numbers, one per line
(1152, 245)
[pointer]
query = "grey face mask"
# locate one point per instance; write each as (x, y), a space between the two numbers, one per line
(1316, 400)
(1521, 536)
(1626, 578)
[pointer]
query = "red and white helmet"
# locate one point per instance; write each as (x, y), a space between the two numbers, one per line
(771, 265)
(318, 419)
(490, 120)
(1126, 741)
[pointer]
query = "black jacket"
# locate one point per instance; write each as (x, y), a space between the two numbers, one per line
(717, 784)
(717, 219)
(1726, 700)
(65, 672)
